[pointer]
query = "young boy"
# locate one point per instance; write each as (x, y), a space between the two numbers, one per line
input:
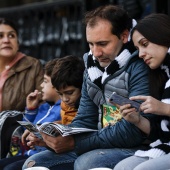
(67, 78)
(37, 114)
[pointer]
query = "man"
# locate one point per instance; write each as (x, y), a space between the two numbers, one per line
(111, 65)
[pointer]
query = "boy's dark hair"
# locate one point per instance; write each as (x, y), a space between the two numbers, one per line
(49, 66)
(68, 71)
(116, 15)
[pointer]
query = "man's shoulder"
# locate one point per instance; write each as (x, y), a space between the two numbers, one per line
(136, 60)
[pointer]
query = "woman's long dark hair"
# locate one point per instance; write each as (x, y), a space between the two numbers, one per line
(156, 29)
(157, 80)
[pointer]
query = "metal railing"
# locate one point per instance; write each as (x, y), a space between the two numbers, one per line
(49, 30)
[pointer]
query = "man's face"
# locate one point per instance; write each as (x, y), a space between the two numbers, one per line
(104, 45)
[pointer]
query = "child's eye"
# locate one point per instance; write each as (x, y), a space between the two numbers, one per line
(70, 93)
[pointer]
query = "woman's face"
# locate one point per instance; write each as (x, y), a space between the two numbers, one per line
(152, 54)
(8, 41)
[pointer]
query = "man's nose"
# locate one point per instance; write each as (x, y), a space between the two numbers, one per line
(97, 51)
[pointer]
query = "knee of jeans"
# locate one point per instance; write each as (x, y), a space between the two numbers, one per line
(30, 164)
(75, 165)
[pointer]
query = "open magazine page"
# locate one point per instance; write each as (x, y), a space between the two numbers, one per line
(53, 129)
(31, 127)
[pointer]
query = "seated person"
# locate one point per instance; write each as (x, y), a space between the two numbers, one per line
(46, 112)
(67, 78)
(153, 46)
(20, 74)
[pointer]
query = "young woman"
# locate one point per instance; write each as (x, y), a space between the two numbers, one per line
(151, 37)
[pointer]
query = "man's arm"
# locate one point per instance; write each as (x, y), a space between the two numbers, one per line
(123, 134)
(87, 115)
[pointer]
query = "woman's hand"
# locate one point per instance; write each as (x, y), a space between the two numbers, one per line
(152, 105)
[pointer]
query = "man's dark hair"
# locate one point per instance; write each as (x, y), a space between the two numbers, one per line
(116, 15)
(68, 71)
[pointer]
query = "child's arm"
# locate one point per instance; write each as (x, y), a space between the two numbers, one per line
(33, 99)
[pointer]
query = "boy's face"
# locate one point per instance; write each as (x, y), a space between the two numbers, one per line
(48, 91)
(69, 95)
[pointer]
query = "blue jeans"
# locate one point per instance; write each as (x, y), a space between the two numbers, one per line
(144, 163)
(92, 159)
(102, 158)
(51, 160)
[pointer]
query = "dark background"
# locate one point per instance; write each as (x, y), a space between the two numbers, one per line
(53, 28)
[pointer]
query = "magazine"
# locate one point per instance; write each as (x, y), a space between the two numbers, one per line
(53, 129)
(111, 115)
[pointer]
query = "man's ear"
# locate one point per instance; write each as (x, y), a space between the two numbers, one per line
(124, 36)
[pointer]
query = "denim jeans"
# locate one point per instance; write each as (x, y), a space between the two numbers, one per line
(144, 163)
(102, 158)
(92, 159)
(52, 160)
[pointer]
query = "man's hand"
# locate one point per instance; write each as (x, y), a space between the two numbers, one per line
(132, 116)
(59, 144)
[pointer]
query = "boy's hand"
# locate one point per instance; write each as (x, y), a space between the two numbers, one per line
(59, 144)
(33, 99)
(24, 136)
(34, 141)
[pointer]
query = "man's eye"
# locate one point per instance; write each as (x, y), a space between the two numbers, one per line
(103, 44)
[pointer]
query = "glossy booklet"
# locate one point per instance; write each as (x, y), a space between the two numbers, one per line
(53, 129)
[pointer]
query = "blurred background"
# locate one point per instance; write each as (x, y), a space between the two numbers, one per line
(53, 28)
